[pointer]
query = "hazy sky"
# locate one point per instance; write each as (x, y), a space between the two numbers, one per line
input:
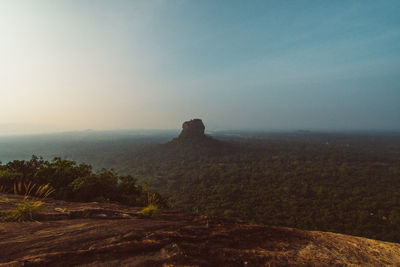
(327, 65)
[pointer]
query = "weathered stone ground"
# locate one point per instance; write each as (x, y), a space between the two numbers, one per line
(94, 234)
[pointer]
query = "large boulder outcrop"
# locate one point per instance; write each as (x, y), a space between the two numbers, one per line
(173, 239)
(192, 129)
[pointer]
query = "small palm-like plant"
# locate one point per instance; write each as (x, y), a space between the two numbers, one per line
(150, 211)
(28, 190)
(152, 199)
(27, 209)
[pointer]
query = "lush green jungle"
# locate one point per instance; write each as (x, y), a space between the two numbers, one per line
(75, 182)
(343, 182)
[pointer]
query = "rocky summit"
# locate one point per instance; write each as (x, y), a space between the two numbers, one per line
(192, 129)
(106, 234)
(193, 139)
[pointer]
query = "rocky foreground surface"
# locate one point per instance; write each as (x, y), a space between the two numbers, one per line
(94, 234)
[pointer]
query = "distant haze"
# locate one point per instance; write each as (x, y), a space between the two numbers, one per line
(260, 65)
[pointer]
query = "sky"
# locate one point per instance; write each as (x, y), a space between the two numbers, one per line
(239, 65)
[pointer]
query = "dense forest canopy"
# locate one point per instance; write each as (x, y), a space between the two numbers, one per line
(340, 183)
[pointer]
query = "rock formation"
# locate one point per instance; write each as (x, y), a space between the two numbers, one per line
(192, 129)
(173, 239)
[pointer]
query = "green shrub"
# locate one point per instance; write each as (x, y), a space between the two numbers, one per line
(150, 211)
(76, 182)
(26, 209)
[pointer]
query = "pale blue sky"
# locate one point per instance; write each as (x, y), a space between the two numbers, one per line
(265, 65)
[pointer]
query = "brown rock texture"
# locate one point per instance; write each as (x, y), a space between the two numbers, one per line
(101, 235)
(192, 128)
